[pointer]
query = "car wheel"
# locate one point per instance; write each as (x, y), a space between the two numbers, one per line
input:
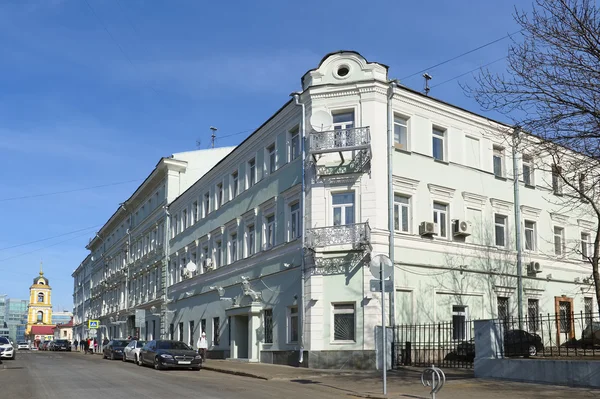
(532, 350)
(138, 360)
(157, 365)
(112, 356)
(123, 358)
(103, 355)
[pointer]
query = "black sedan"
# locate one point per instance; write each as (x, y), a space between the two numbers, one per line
(516, 343)
(114, 349)
(61, 345)
(164, 354)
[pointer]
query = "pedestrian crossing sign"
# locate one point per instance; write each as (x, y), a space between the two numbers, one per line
(93, 324)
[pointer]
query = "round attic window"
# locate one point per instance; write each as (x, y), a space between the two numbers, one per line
(343, 71)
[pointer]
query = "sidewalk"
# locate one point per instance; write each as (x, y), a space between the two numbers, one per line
(404, 383)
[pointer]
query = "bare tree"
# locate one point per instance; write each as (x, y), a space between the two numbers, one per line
(552, 90)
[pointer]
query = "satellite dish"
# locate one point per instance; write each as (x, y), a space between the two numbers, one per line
(321, 121)
(379, 263)
(191, 267)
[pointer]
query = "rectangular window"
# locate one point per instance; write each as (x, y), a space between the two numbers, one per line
(343, 123)
(195, 212)
(503, 309)
(205, 257)
(216, 332)
(533, 311)
(401, 132)
(191, 333)
(530, 235)
(459, 322)
(588, 309)
(343, 322)
(439, 143)
(528, 170)
(268, 325)
(184, 220)
(269, 231)
(206, 204)
(234, 185)
(472, 152)
(559, 241)
(219, 195)
(343, 208)
(557, 186)
(499, 161)
(295, 221)
(250, 240)
(251, 172)
(218, 253)
(500, 222)
(585, 246)
(440, 216)
(171, 331)
(233, 249)
(401, 213)
(294, 144)
(271, 159)
(293, 324)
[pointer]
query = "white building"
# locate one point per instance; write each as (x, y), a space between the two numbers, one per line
(256, 235)
(123, 271)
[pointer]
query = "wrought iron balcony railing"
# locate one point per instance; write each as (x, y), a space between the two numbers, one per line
(357, 138)
(357, 235)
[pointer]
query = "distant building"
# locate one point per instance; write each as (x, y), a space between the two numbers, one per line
(16, 318)
(61, 317)
(39, 311)
(4, 332)
(2, 310)
(64, 331)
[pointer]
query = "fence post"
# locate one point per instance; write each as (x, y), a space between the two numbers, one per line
(408, 353)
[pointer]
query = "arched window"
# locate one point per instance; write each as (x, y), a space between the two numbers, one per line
(40, 315)
(41, 297)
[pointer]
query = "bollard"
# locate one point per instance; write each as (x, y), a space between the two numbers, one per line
(433, 377)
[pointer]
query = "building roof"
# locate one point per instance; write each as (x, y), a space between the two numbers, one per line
(42, 330)
(66, 325)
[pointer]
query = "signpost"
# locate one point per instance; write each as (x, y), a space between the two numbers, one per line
(381, 268)
(93, 324)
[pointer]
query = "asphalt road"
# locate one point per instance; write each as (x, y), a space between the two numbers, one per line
(53, 375)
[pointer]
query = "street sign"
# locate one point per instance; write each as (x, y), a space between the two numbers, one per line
(379, 263)
(140, 317)
(93, 324)
(375, 286)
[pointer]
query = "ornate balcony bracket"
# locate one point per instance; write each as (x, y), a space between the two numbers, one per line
(357, 235)
(338, 265)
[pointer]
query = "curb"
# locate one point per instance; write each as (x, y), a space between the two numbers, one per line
(234, 372)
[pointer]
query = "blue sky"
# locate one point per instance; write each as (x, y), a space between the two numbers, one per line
(95, 92)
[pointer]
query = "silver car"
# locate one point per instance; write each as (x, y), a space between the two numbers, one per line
(131, 353)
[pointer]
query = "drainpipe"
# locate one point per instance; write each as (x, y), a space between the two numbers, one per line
(166, 271)
(518, 226)
(390, 182)
(302, 265)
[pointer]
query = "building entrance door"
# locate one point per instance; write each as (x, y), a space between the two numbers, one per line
(565, 329)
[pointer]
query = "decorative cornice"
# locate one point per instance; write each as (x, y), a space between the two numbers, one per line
(585, 224)
(474, 200)
(557, 217)
(501, 205)
(504, 291)
(533, 292)
(404, 184)
(441, 192)
(530, 211)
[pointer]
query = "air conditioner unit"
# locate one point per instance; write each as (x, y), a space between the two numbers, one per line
(209, 264)
(534, 267)
(462, 228)
(427, 229)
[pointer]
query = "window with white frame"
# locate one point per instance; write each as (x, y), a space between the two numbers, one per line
(271, 159)
(459, 322)
(234, 185)
(294, 144)
(588, 309)
(528, 171)
(401, 213)
(174, 229)
(343, 208)
(344, 322)
(343, 122)
(205, 257)
(268, 323)
(533, 312)
(292, 324)
(295, 227)
(557, 184)
(585, 246)
(233, 248)
(438, 144)
(401, 132)
(269, 231)
(218, 253)
(559, 241)
(206, 204)
(503, 309)
(499, 161)
(251, 174)
(180, 331)
(440, 217)
(250, 240)
(219, 195)
(184, 220)
(530, 235)
(500, 230)
(195, 212)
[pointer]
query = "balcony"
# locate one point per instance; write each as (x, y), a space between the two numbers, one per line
(357, 236)
(353, 143)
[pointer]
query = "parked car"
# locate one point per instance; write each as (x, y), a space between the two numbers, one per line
(132, 351)
(23, 346)
(114, 349)
(61, 345)
(51, 345)
(44, 345)
(516, 343)
(7, 350)
(590, 336)
(169, 354)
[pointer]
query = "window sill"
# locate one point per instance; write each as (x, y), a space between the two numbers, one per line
(502, 178)
(340, 342)
(529, 186)
(400, 148)
(441, 161)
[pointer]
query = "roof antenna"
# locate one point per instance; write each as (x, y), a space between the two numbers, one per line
(213, 136)
(427, 77)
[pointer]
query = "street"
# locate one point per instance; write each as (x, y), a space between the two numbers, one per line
(42, 375)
